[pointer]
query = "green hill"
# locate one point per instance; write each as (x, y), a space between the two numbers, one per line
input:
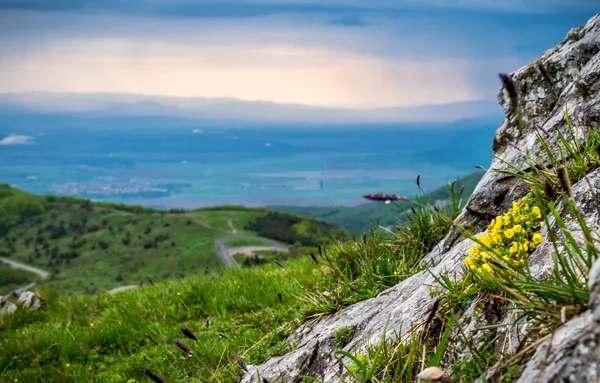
(357, 219)
(88, 246)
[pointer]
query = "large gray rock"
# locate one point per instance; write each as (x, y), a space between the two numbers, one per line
(574, 70)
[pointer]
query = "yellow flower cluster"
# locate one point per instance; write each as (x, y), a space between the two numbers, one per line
(509, 238)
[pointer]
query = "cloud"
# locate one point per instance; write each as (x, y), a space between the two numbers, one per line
(254, 8)
(311, 76)
(342, 54)
(14, 139)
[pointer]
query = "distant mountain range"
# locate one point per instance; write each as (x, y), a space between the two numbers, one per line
(231, 109)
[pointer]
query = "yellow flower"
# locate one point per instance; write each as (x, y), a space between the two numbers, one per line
(90, 368)
(178, 294)
(517, 228)
(537, 238)
(67, 365)
(485, 239)
(513, 248)
(396, 273)
(537, 212)
(498, 224)
(507, 220)
(488, 268)
(91, 324)
(509, 233)
(471, 263)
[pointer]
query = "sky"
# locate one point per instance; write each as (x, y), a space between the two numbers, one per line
(332, 53)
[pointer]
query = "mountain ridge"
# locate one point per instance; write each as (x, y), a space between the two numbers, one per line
(231, 109)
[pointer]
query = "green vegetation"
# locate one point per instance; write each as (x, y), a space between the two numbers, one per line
(358, 219)
(90, 246)
(239, 242)
(359, 270)
(12, 279)
(16, 206)
(114, 338)
(288, 228)
(344, 335)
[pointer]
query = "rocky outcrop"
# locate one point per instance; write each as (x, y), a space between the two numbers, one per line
(566, 76)
(29, 300)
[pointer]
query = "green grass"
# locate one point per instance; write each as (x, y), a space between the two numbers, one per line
(356, 219)
(239, 257)
(255, 309)
(12, 279)
(92, 246)
(240, 242)
(16, 206)
(358, 270)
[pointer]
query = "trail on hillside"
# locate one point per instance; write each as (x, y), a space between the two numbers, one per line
(31, 269)
(122, 288)
(226, 252)
(230, 223)
(18, 265)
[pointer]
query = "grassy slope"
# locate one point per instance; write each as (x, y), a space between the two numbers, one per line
(90, 246)
(243, 305)
(356, 219)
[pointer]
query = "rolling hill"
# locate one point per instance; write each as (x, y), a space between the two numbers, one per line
(89, 246)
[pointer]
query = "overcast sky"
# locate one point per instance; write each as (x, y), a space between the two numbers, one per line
(349, 53)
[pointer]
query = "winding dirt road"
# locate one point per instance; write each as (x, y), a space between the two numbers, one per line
(226, 252)
(31, 269)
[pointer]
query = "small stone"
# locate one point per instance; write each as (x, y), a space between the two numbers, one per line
(8, 309)
(29, 300)
(430, 374)
(306, 330)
